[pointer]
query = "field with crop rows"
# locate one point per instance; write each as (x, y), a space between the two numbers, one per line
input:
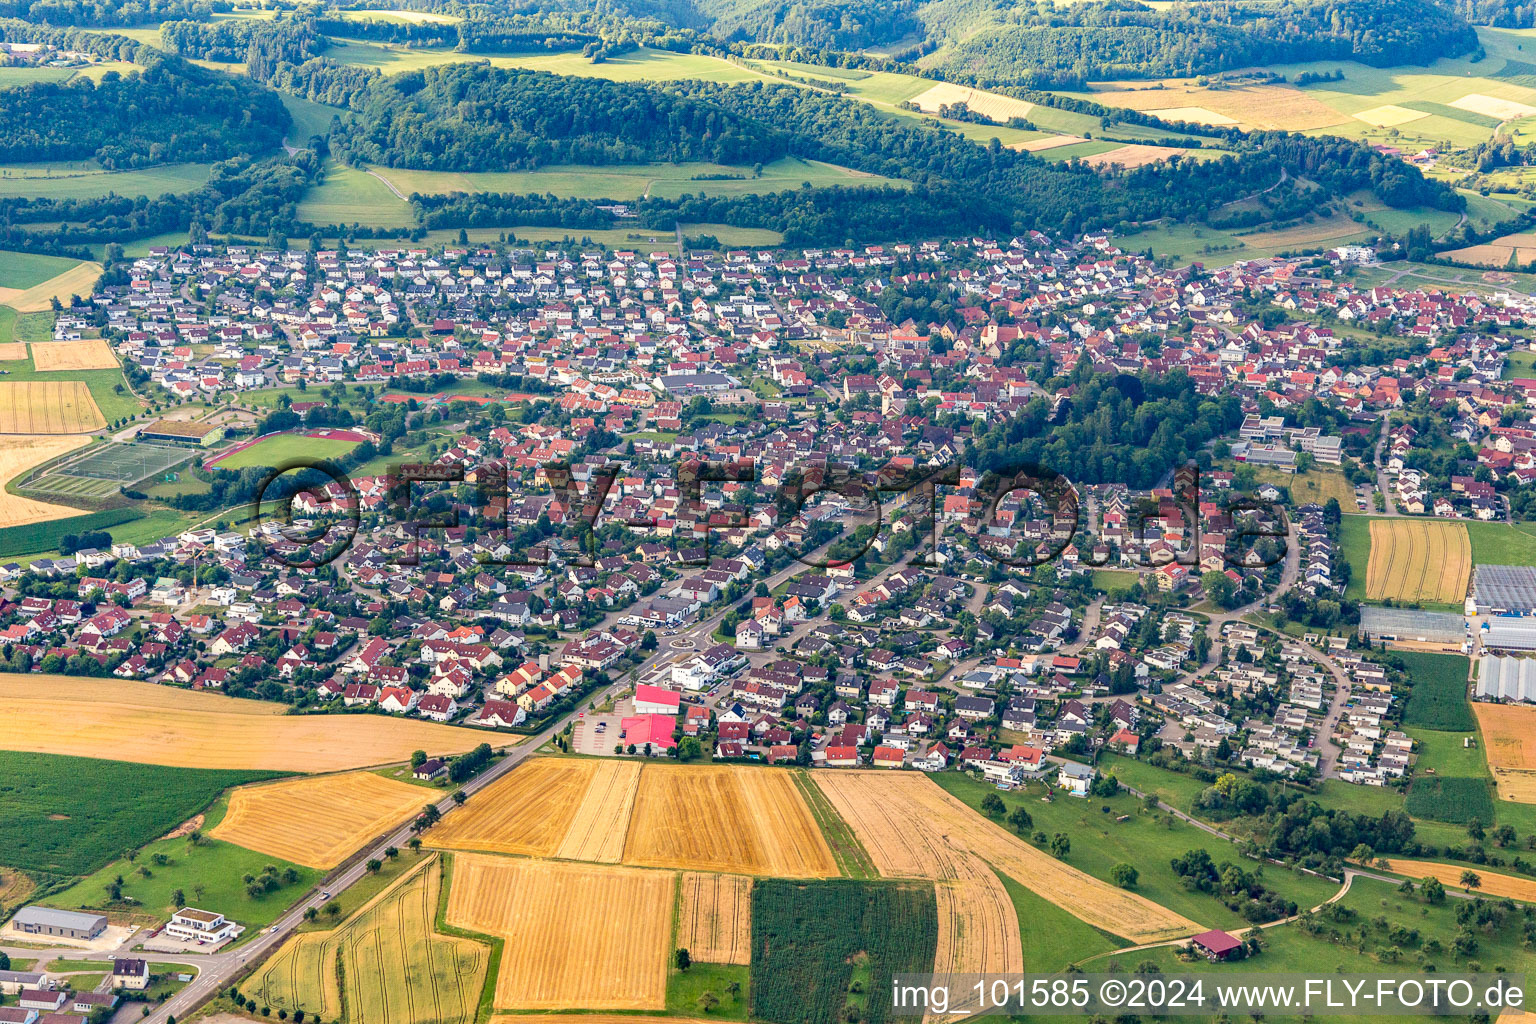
(1418, 560)
(320, 821)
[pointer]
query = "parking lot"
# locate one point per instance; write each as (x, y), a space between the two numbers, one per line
(597, 733)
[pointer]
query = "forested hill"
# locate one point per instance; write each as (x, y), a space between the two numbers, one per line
(479, 118)
(1122, 38)
(170, 111)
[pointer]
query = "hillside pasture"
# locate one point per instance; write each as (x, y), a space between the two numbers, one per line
(318, 822)
(758, 824)
(714, 922)
(61, 180)
(634, 181)
(88, 354)
(393, 965)
(575, 936)
(189, 729)
(1418, 560)
(1509, 740)
(912, 828)
(48, 407)
(21, 270)
(19, 455)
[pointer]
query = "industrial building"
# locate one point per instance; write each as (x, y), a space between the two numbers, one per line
(1411, 624)
(1504, 589)
(66, 924)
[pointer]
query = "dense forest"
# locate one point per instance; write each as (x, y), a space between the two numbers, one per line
(109, 13)
(170, 111)
(472, 117)
(1499, 13)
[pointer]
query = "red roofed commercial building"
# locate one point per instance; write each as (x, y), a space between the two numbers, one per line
(654, 700)
(656, 730)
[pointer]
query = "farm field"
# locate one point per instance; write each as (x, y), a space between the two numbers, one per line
(1215, 247)
(575, 936)
(1050, 937)
(601, 822)
(978, 926)
(22, 270)
(1509, 741)
(714, 922)
(183, 728)
(812, 940)
(282, 449)
(319, 821)
(1503, 543)
(1438, 699)
(393, 965)
(90, 181)
(762, 826)
(1418, 560)
(633, 181)
(48, 407)
(528, 811)
(1250, 106)
(78, 280)
(1493, 883)
(1454, 799)
(17, 456)
(90, 354)
(912, 828)
(70, 815)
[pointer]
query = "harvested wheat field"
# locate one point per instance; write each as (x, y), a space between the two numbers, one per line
(1251, 106)
(90, 354)
(11, 351)
(1388, 116)
(19, 454)
(528, 811)
(1133, 156)
(576, 936)
(978, 925)
(722, 818)
(69, 715)
(395, 968)
(714, 923)
(77, 280)
(1449, 875)
(1509, 741)
(317, 822)
(988, 104)
(1489, 254)
(1493, 106)
(1049, 142)
(1418, 560)
(914, 829)
(601, 821)
(48, 407)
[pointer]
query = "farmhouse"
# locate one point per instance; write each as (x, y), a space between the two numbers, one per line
(63, 923)
(1215, 945)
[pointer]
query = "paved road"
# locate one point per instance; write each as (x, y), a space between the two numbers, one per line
(1388, 505)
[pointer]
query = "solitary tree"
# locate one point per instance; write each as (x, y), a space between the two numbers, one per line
(992, 805)
(1020, 820)
(682, 959)
(1470, 880)
(1124, 875)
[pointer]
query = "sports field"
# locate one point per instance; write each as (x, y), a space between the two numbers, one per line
(714, 921)
(48, 407)
(1418, 560)
(576, 936)
(393, 965)
(89, 354)
(1509, 740)
(106, 467)
(317, 822)
(283, 449)
(1449, 875)
(913, 829)
(17, 456)
(725, 818)
(152, 724)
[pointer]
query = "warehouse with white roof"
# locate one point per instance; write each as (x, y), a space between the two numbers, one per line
(1505, 677)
